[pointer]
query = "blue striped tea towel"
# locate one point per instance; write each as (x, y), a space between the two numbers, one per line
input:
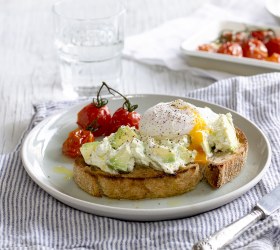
(32, 219)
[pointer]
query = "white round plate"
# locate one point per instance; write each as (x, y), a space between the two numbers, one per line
(273, 6)
(51, 170)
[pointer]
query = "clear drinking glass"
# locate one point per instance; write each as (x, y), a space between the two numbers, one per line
(89, 37)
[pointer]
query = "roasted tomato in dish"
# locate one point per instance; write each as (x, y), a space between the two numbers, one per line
(251, 42)
(240, 37)
(77, 137)
(207, 47)
(274, 58)
(231, 48)
(230, 36)
(95, 118)
(254, 48)
(226, 36)
(262, 35)
(273, 45)
(123, 116)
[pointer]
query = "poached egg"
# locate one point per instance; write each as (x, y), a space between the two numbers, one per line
(174, 119)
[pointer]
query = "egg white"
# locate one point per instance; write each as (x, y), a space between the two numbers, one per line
(173, 119)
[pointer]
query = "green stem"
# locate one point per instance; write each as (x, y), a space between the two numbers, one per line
(100, 102)
(126, 104)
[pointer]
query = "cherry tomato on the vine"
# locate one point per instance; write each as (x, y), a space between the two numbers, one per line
(254, 48)
(96, 118)
(124, 117)
(231, 48)
(75, 139)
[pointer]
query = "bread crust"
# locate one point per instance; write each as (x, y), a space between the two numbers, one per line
(146, 182)
(143, 182)
(223, 168)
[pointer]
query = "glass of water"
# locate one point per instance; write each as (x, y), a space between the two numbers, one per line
(89, 38)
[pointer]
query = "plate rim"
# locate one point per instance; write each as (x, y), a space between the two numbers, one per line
(269, 4)
(156, 214)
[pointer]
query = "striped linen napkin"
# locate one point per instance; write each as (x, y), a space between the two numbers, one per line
(32, 219)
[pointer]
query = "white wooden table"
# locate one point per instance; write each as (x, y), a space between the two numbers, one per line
(28, 64)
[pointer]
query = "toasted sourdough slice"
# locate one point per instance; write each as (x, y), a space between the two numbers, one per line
(146, 182)
(143, 182)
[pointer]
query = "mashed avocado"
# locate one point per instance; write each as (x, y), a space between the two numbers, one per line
(223, 138)
(117, 153)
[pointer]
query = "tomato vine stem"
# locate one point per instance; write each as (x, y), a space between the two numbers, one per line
(100, 102)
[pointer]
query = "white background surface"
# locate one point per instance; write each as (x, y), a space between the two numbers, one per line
(28, 65)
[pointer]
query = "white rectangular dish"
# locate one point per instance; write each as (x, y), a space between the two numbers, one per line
(222, 62)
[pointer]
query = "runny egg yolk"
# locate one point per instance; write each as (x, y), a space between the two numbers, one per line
(196, 135)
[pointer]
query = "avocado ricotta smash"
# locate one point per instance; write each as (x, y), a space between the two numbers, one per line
(170, 136)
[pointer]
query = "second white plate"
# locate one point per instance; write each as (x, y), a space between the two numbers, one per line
(44, 162)
(222, 62)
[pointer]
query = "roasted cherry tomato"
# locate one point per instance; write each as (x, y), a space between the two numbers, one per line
(240, 37)
(231, 48)
(273, 45)
(207, 47)
(124, 117)
(262, 35)
(254, 48)
(77, 137)
(230, 36)
(274, 58)
(95, 117)
(226, 36)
